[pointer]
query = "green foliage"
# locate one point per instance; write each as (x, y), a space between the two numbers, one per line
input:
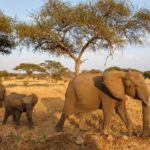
(147, 74)
(52, 66)
(56, 69)
(135, 70)
(7, 39)
(4, 73)
(92, 71)
(114, 68)
(122, 69)
(61, 74)
(64, 29)
(29, 68)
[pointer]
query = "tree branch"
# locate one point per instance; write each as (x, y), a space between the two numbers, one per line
(87, 45)
(68, 50)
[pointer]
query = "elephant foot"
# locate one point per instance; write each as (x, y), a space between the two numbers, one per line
(58, 129)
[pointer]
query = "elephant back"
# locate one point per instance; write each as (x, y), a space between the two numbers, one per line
(14, 100)
(113, 81)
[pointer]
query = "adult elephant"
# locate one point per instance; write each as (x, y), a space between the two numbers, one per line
(133, 84)
(2, 94)
(88, 92)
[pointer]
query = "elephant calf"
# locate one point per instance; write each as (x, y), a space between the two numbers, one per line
(15, 104)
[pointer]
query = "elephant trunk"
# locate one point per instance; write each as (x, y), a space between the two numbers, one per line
(143, 95)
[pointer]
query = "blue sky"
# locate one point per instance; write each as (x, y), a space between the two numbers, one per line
(133, 56)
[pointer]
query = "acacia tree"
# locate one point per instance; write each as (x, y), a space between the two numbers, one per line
(147, 74)
(29, 68)
(54, 68)
(64, 29)
(7, 40)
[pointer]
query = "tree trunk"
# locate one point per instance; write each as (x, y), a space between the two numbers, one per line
(77, 66)
(50, 78)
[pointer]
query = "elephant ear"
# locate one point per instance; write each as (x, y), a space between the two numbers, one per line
(30, 99)
(113, 81)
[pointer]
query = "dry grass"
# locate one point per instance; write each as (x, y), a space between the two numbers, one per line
(47, 113)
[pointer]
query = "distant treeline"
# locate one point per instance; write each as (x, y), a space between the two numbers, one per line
(61, 74)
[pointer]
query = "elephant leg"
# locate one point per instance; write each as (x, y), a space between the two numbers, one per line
(29, 109)
(16, 117)
(6, 115)
(30, 121)
(121, 110)
(108, 111)
(146, 111)
(59, 126)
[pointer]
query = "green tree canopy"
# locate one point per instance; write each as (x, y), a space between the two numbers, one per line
(7, 40)
(114, 68)
(55, 69)
(29, 68)
(122, 69)
(52, 66)
(147, 74)
(64, 29)
(4, 73)
(62, 73)
(92, 71)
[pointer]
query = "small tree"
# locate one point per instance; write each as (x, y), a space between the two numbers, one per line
(29, 68)
(64, 29)
(63, 73)
(4, 74)
(114, 68)
(54, 68)
(7, 39)
(147, 74)
(92, 71)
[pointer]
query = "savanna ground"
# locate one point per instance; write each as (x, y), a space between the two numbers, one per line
(86, 126)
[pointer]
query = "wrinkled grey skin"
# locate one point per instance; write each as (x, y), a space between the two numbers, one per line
(87, 93)
(15, 104)
(2, 94)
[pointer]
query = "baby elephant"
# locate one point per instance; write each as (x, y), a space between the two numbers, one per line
(15, 104)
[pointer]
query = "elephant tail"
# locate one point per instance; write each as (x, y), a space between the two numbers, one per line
(70, 100)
